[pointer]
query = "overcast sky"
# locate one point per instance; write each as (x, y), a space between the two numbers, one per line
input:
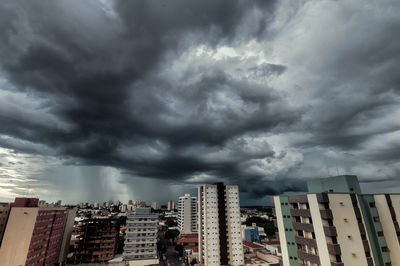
(148, 99)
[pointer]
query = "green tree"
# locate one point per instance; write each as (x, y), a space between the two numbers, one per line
(162, 245)
(179, 248)
(171, 223)
(171, 234)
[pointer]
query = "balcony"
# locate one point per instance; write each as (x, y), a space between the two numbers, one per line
(303, 226)
(300, 212)
(337, 264)
(298, 198)
(307, 256)
(334, 249)
(326, 214)
(322, 198)
(330, 231)
(306, 241)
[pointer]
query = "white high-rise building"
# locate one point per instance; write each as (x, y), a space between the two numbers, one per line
(187, 214)
(220, 239)
(141, 237)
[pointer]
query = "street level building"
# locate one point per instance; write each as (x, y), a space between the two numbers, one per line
(220, 240)
(187, 214)
(334, 224)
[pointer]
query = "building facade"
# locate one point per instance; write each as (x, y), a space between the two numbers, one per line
(220, 240)
(4, 212)
(34, 235)
(155, 205)
(171, 205)
(141, 237)
(334, 224)
(97, 240)
(251, 233)
(187, 214)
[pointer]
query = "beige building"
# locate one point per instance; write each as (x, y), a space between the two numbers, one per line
(187, 214)
(220, 240)
(337, 225)
(4, 211)
(35, 235)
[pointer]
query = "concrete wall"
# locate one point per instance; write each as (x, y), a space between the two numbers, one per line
(348, 233)
(69, 223)
(388, 226)
(17, 236)
(319, 230)
(281, 231)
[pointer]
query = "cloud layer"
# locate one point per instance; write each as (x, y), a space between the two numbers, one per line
(262, 94)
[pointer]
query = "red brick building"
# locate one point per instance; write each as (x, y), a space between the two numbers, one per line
(33, 235)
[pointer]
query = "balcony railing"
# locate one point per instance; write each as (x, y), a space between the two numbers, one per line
(330, 231)
(300, 212)
(334, 249)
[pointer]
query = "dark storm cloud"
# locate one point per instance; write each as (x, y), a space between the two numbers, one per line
(103, 85)
(118, 85)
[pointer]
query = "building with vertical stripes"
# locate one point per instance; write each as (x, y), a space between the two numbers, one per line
(187, 214)
(141, 238)
(334, 224)
(220, 240)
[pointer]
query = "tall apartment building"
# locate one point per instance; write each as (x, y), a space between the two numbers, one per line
(187, 214)
(97, 240)
(34, 235)
(141, 237)
(4, 211)
(220, 240)
(171, 205)
(155, 205)
(334, 224)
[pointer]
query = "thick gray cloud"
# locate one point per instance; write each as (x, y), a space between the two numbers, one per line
(178, 93)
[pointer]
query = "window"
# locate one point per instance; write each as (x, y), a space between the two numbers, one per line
(385, 249)
(376, 219)
(372, 204)
(380, 233)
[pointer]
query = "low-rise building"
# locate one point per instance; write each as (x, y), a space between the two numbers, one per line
(250, 233)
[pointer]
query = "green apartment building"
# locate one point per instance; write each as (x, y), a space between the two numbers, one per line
(334, 224)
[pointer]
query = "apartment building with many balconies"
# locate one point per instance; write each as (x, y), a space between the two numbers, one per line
(187, 214)
(141, 237)
(97, 240)
(219, 225)
(35, 235)
(334, 224)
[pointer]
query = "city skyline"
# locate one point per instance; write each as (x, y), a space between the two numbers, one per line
(120, 100)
